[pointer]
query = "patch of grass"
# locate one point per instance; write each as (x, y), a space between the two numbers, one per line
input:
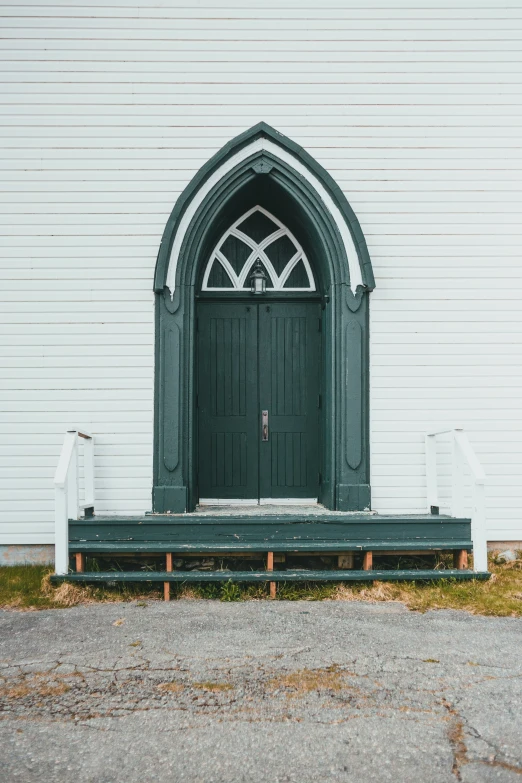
(53, 689)
(227, 591)
(16, 691)
(251, 592)
(231, 591)
(496, 596)
(195, 590)
(36, 684)
(171, 687)
(21, 587)
(29, 587)
(214, 687)
(306, 591)
(308, 680)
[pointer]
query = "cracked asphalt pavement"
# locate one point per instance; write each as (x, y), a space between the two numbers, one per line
(277, 692)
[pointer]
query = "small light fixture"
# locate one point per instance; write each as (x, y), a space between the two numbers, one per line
(258, 279)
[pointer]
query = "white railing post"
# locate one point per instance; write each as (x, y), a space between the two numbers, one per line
(61, 531)
(461, 449)
(432, 494)
(478, 511)
(62, 486)
(456, 478)
(478, 528)
(88, 469)
(73, 490)
(67, 493)
(458, 489)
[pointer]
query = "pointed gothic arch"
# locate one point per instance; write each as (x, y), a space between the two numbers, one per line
(261, 167)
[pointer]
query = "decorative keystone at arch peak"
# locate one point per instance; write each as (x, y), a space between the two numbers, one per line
(263, 150)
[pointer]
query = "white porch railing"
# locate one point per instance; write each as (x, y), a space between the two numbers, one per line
(67, 492)
(462, 458)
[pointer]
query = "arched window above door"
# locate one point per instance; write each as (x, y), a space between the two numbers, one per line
(258, 238)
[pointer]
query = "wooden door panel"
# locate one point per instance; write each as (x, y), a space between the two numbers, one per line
(229, 460)
(228, 439)
(228, 349)
(289, 372)
(287, 338)
(288, 455)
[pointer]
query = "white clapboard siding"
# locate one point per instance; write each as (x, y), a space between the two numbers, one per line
(107, 111)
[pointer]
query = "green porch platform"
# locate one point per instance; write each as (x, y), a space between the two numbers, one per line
(265, 531)
(262, 531)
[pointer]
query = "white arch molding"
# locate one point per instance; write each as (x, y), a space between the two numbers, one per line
(260, 145)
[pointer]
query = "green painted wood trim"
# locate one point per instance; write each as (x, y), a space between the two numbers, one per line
(170, 498)
(353, 497)
(170, 395)
(280, 535)
(353, 400)
(273, 576)
(122, 547)
(269, 519)
(262, 129)
(273, 533)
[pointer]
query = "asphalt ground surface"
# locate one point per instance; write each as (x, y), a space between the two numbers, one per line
(259, 691)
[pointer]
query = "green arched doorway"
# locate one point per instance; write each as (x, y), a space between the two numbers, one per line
(321, 300)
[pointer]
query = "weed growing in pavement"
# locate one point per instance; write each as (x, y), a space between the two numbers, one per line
(231, 591)
(171, 687)
(214, 687)
(307, 680)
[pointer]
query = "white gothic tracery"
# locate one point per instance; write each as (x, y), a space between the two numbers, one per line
(258, 236)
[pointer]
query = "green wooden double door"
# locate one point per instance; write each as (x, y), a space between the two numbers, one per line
(258, 397)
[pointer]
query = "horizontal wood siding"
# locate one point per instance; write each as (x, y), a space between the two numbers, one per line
(108, 110)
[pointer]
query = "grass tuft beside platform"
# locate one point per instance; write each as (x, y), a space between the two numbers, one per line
(29, 588)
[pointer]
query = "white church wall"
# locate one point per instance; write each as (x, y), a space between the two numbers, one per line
(107, 112)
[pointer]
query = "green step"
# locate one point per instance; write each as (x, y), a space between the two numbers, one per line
(332, 545)
(292, 575)
(324, 531)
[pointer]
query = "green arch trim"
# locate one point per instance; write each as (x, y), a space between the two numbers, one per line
(231, 148)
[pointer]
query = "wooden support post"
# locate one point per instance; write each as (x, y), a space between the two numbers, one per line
(367, 561)
(80, 562)
(166, 585)
(460, 559)
(270, 567)
(345, 561)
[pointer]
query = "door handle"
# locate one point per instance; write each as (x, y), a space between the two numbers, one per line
(264, 425)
